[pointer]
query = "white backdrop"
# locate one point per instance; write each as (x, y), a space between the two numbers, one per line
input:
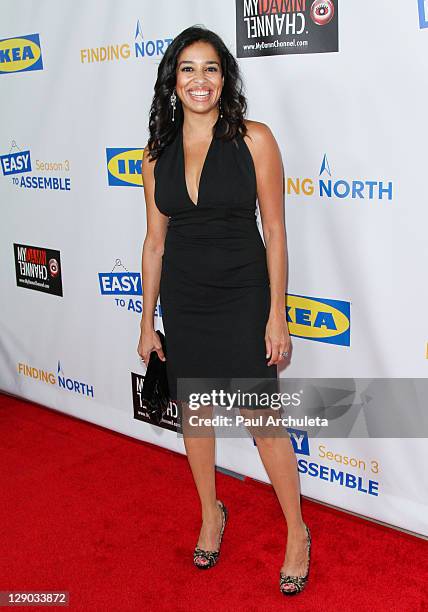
(356, 114)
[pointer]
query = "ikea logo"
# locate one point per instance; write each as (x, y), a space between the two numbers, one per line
(323, 320)
(20, 54)
(124, 167)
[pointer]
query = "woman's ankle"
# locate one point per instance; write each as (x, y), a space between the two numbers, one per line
(296, 529)
(211, 512)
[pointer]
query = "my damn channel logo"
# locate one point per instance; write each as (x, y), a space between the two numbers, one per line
(38, 268)
(334, 476)
(20, 54)
(278, 28)
(124, 167)
(141, 48)
(327, 187)
(320, 319)
(124, 287)
(170, 417)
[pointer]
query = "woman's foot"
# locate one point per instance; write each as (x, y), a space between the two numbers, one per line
(208, 546)
(296, 562)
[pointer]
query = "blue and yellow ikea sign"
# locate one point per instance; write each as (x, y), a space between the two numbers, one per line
(323, 320)
(20, 54)
(124, 167)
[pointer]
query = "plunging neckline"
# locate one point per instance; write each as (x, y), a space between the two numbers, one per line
(203, 167)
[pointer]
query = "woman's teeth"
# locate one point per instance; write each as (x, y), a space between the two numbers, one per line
(200, 94)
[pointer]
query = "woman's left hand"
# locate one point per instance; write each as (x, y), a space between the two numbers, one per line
(277, 338)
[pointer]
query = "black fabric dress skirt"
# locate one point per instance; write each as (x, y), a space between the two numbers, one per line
(214, 288)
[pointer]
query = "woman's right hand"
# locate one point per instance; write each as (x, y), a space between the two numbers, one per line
(149, 341)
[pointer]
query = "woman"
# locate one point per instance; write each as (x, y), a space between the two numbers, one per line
(221, 290)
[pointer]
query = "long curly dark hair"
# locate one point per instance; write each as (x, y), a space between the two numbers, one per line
(233, 101)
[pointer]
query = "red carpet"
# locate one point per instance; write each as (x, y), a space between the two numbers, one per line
(114, 521)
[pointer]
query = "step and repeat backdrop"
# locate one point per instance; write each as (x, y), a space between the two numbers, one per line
(343, 87)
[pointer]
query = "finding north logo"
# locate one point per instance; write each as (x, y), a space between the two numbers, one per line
(57, 378)
(326, 186)
(141, 48)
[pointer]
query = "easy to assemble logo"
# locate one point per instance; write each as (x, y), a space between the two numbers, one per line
(17, 165)
(125, 287)
(334, 476)
(20, 54)
(299, 440)
(423, 13)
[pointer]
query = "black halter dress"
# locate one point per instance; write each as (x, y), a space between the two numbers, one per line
(214, 287)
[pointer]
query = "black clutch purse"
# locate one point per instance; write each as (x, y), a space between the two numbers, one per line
(155, 392)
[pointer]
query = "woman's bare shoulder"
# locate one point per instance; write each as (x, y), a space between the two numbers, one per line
(259, 136)
(148, 164)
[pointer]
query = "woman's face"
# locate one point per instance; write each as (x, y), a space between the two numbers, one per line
(199, 78)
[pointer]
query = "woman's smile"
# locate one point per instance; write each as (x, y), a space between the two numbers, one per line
(199, 94)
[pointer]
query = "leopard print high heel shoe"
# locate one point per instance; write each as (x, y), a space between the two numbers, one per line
(297, 583)
(205, 559)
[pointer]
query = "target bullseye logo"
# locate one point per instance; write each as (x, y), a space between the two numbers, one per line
(322, 12)
(53, 267)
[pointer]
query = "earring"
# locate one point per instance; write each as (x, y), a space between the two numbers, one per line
(173, 100)
(220, 108)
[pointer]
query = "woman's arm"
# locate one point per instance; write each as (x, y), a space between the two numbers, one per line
(153, 246)
(270, 193)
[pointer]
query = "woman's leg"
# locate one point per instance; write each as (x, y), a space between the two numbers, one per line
(200, 449)
(279, 460)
